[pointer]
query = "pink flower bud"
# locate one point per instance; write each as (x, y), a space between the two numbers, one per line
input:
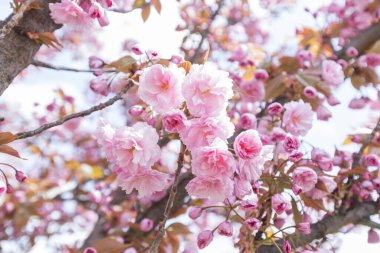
(287, 247)
(332, 101)
(9, 188)
(95, 62)
(261, 74)
(195, 212)
(176, 59)
(279, 203)
(357, 103)
(323, 113)
(248, 205)
(373, 236)
(253, 223)
(352, 52)
(204, 239)
(96, 10)
(304, 227)
(90, 250)
(310, 92)
(279, 223)
(278, 134)
(275, 109)
(136, 49)
(225, 229)
(146, 225)
(248, 121)
(20, 176)
(371, 160)
(103, 20)
(174, 121)
(135, 110)
(342, 63)
(99, 85)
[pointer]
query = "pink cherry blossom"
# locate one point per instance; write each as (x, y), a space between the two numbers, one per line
(203, 131)
(213, 161)
(135, 146)
(174, 121)
(332, 73)
(225, 229)
(145, 181)
(280, 203)
(161, 87)
(275, 108)
(291, 143)
(248, 205)
(304, 178)
(247, 144)
(248, 121)
(215, 189)
(204, 239)
(70, 13)
(242, 187)
(207, 90)
(298, 117)
(251, 169)
(253, 90)
(304, 227)
(195, 212)
(373, 236)
(253, 223)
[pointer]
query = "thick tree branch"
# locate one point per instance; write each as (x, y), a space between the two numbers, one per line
(363, 41)
(328, 225)
(16, 49)
(95, 108)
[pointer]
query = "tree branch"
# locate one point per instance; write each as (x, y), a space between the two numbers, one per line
(169, 205)
(363, 41)
(95, 108)
(328, 225)
(17, 50)
(61, 68)
(205, 33)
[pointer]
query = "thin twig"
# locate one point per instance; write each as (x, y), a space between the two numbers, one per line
(205, 33)
(95, 108)
(15, 19)
(169, 204)
(61, 68)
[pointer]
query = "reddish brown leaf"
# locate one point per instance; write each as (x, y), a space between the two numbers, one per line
(157, 5)
(145, 12)
(6, 137)
(9, 151)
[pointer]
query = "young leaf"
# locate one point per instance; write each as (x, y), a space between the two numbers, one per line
(157, 5)
(6, 137)
(9, 151)
(145, 12)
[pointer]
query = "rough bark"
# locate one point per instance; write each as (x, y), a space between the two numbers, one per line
(16, 49)
(329, 225)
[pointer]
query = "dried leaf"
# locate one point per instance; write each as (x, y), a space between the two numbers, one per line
(186, 65)
(109, 245)
(9, 151)
(145, 12)
(313, 203)
(46, 38)
(6, 137)
(124, 64)
(157, 5)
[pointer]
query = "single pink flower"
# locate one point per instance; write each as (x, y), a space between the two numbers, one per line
(304, 178)
(204, 239)
(207, 90)
(291, 143)
(135, 146)
(373, 236)
(248, 121)
(203, 131)
(332, 73)
(261, 74)
(275, 108)
(247, 144)
(174, 121)
(145, 181)
(252, 90)
(225, 229)
(248, 205)
(215, 189)
(279, 203)
(253, 223)
(161, 87)
(242, 187)
(213, 161)
(304, 228)
(298, 117)
(310, 92)
(70, 13)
